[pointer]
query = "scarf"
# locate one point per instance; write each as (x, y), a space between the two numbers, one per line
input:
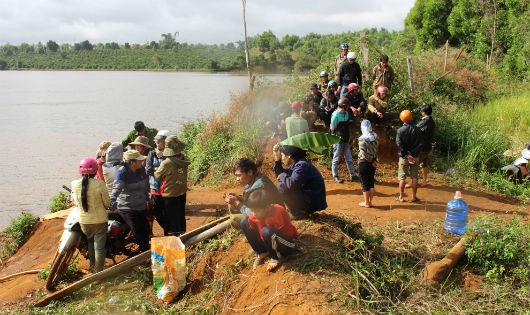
(367, 132)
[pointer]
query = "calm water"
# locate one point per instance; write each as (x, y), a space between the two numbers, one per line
(50, 120)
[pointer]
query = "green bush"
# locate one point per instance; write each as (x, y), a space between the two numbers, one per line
(61, 201)
(501, 251)
(16, 233)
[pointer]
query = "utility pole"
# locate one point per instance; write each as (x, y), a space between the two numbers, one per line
(247, 56)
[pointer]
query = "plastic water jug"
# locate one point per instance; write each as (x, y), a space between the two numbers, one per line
(456, 215)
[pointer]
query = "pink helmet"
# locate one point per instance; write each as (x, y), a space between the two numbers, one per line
(88, 166)
(353, 86)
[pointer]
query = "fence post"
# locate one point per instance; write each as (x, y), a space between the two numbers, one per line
(411, 77)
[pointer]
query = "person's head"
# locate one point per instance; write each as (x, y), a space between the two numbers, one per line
(160, 139)
(141, 144)
(343, 104)
(88, 168)
(313, 88)
(296, 107)
(173, 146)
(344, 49)
(426, 110)
(333, 85)
(133, 160)
(353, 88)
(324, 76)
(102, 148)
(406, 116)
(291, 154)
(351, 57)
(383, 60)
(259, 203)
(330, 95)
(366, 127)
(382, 91)
(245, 171)
(139, 127)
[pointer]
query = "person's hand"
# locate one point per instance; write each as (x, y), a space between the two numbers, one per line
(356, 111)
(276, 152)
(375, 164)
(379, 114)
(230, 198)
(411, 159)
(113, 208)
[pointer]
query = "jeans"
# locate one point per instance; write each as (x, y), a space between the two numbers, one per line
(97, 237)
(274, 242)
(345, 150)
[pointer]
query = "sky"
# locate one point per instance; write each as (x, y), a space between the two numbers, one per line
(193, 21)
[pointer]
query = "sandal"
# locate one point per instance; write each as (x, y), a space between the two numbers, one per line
(259, 260)
(415, 199)
(399, 199)
(273, 264)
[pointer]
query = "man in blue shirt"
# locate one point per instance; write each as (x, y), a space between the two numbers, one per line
(339, 126)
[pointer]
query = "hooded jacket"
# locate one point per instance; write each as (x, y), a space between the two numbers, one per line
(112, 163)
(264, 184)
(173, 174)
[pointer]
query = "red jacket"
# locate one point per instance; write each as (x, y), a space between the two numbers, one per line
(278, 219)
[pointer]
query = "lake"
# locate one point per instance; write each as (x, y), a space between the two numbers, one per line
(52, 119)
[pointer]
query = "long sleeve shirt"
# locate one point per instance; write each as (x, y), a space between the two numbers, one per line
(97, 201)
(349, 73)
(277, 219)
(130, 189)
(409, 140)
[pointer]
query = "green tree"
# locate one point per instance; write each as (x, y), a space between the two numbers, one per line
(289, 41)
(3, 65)
(168, 41)
(429, 19)
(52, 46)
(267, 41)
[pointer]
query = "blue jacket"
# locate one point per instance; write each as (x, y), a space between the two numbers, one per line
(130, 189)
(303, 177)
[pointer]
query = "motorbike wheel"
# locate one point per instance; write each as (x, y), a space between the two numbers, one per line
(130, 248)
(59, 265)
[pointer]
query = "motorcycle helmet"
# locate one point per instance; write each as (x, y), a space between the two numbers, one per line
(526, 151)
(351, 55)
(88, 166)
(353, 86)
(343, 102)
(405, 116)
(324, 74)
(331, 83)
(344, 46)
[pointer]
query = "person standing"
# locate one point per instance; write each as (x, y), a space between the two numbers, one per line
(296, 124)
(339, 126)
(349, 72)
(140, 129)
(382, 74)
(173, 175)
(153, 161)
(130, 196)
(368, 149)
(112, 164)
(427, 126)
(340, 59)
(101, 156)
(409, 141)
(92, 200)
(300, 183)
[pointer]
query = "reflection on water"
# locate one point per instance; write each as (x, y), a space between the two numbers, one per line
(50, 120)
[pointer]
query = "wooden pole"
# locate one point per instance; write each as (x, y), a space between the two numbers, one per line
(247, 54)
(364, 55)
(411, 77)
(188, 239)
(446, 52)
(28, 272)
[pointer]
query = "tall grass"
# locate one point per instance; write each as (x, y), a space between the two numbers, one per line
(16, 233)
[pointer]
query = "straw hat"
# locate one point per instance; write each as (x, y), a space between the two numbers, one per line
(173, 146)
(133, 155)
(141, 140)
(102, 148)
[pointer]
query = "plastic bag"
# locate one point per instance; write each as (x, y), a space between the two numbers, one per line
(168, 263)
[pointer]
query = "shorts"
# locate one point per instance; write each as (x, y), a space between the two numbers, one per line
(424, 159)
(406, 169)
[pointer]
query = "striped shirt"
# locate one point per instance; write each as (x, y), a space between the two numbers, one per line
(368, 149)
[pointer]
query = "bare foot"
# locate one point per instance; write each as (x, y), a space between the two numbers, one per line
(273, 264)
(364, 204)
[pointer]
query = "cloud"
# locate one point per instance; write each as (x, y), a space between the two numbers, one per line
(198, 21)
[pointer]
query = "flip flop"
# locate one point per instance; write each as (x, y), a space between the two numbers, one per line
(273, 264)
(415, 200)
(398, 199)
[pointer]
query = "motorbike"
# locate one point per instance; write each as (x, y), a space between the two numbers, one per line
(518, 170)
(120, 241)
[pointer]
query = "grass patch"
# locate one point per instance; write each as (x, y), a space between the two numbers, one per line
(59, 202)
(16, 233)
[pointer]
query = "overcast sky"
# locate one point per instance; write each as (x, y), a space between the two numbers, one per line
(196, 21)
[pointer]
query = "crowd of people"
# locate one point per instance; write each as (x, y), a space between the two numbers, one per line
(149, 180)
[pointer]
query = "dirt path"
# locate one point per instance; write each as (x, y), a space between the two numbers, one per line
(203, 202)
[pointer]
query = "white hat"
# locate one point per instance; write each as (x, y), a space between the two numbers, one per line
(162, 134)
(351, 55)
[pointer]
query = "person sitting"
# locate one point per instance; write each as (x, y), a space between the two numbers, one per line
(269, 231)
(310, 106)
(277, 122)
(327, 106)
(247, 175)
(378, 106)
(332, 85)
(140, 130)
(296, 124)
(323, 86)
(300, 183)
(357, 101)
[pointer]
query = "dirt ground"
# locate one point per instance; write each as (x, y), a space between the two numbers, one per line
(279, 292)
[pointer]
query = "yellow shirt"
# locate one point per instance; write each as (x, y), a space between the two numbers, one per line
(97, 200)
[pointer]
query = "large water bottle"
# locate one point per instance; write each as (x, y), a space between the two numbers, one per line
(456, 215)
